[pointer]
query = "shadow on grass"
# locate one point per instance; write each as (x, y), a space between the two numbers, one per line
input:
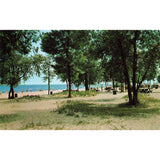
(6, 118)
(122, 110)
(53, 98)
(102, 100)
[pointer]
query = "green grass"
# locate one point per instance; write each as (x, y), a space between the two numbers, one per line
(144, 100)
(6, 118)
(27, 98)
(77, 93)
(74, 108)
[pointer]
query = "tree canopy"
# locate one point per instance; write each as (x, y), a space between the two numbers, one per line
(83, 56)
(14, 63)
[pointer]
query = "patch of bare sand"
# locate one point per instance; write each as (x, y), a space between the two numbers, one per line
(38, 93)
(7, 108)
(155, 93)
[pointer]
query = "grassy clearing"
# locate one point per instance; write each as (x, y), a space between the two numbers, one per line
(77, 108)
(82, 115)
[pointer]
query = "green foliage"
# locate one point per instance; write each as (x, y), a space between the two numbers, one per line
(47, 68)
(158, 78)
(15, 69)
(130, 56)
(14, 63)
(62, 45)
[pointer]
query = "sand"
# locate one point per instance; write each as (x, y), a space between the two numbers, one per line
(151, 123)
(40, 93)
(20, 94)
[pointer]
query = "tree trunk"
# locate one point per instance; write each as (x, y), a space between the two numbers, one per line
(48, 80)
(86, 82)
(11, 93)
(135, 98)
(68, 65)
(126, 73)
(113, 83)
(69, 80)
(67, 84)
(129, 92)
(135, 91)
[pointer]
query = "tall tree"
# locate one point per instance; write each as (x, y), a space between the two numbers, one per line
(138, 51)
(88, 64)
(14, 64)
(135, 52)
(48, 71)
(61, 45)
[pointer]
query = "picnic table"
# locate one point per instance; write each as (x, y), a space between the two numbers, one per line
(145, 90)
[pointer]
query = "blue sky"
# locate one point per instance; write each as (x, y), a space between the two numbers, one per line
(39, 80)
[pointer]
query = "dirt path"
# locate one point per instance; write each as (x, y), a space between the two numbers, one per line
(108, 123)
(102, 98)
(156, 93)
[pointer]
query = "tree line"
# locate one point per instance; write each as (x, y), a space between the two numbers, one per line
(81, 57)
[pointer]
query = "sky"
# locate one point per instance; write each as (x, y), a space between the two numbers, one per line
(39, 80)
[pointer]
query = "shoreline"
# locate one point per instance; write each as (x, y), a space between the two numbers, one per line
(33, 93)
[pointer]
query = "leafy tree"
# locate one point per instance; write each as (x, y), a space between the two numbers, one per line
(43, 65)
(14, 64)
(61, 45)
(158, 78)
(89, 65)
(48, 71)
(137, 51)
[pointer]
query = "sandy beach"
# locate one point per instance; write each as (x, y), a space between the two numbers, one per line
(20, 94)
(38, 93)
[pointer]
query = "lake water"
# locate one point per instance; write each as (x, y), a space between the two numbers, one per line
(34, 88)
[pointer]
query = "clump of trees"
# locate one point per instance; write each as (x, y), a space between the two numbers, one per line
(82, 57)
(70, 52)
(132, 53)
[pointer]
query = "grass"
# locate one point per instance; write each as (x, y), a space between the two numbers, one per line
(27, 98)
(80, 114)
(74, 108)
(144, 100)
(76, 93)
(7, 118)
(102, 100)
